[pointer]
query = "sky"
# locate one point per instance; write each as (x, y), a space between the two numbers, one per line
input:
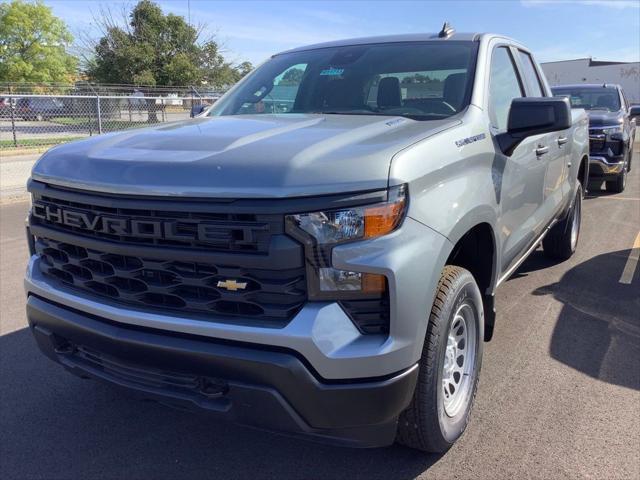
(254, 30)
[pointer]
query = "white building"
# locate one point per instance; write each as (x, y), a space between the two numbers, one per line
(586, 70)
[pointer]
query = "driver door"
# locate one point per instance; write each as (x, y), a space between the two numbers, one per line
(521, 176)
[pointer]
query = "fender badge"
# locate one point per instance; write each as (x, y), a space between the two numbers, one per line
(468, 140)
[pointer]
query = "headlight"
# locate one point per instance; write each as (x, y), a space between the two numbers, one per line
(322, 230)
(614, 133)
(337, 226)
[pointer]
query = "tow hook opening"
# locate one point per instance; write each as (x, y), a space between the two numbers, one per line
(212, 388)
(63, 347)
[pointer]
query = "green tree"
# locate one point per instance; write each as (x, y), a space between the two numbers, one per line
(33, 44)
(292, 76)
(151, 48)
(215, 70)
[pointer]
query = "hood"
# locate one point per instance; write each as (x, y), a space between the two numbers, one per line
(239, 156)
(604, 118)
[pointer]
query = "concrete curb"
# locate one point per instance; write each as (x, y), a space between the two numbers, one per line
(14, 173)
(11, 152)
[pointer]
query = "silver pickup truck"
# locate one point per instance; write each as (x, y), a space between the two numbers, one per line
(318, 253)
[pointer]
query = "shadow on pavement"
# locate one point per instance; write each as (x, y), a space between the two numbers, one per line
(598, 330)
(536, 261)
(55, 425)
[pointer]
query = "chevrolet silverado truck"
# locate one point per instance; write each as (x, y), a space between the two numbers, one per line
(318, 254)
(612, 127)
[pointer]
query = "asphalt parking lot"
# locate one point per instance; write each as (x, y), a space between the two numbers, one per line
(559, 393)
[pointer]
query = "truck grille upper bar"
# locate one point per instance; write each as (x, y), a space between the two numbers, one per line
(205, 230)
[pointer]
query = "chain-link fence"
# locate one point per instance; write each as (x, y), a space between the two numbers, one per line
(106, 89)
(37, 120)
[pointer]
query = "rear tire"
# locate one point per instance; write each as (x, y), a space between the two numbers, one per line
(449, 367)
(561, 242)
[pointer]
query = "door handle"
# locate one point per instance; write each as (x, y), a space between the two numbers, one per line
(562, 140)
(541, 150)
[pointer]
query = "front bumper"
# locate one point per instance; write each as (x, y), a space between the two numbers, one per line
(268, 388)
(602, 167)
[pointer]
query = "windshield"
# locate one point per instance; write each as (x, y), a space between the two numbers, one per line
(591, 98)
(424, 81)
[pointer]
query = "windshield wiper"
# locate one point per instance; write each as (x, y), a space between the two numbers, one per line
(350, 112)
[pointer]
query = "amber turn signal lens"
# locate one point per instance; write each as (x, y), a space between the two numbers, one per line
(382, 219)
(373, 283)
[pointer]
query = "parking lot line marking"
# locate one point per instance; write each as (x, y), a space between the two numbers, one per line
(633, 199)
(632, 262)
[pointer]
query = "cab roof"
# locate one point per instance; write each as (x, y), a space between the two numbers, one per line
(588, 85)
(408, 37)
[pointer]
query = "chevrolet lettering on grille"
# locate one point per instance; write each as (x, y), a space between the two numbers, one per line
(150, 228)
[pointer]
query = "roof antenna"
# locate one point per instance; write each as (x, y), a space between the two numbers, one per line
(447, 31)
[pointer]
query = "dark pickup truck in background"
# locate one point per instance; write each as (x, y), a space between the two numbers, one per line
(612, 126)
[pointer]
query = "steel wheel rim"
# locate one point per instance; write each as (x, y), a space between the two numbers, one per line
(459, 360)
(575, 223)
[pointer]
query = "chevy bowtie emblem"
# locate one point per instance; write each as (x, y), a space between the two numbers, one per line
(232, 285)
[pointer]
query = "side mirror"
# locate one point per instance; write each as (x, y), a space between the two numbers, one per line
(198, 109)
(634, 111)
(534, 116)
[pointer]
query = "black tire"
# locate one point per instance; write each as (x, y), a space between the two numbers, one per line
(618, 185)
(559, 244)
(425, 425)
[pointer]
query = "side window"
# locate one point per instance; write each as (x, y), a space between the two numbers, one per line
(530, 75)
(504, 86)
(625, 103)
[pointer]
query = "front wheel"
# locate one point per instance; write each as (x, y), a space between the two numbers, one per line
(619, 183)
(449, 367)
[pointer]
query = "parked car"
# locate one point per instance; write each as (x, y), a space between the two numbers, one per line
(612, 129)
(40, 108)
(329, 270)
(6, 106)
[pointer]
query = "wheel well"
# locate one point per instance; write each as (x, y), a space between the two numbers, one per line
(583, 173)
(475, 251)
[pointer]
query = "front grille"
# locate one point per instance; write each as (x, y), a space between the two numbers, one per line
(184, 286)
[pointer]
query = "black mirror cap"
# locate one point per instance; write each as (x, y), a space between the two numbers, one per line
(198, 109)
(634, 111)
(534, 116)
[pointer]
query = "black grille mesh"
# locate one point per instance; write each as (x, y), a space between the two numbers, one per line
(370, 316)
(175, 285)
(595, 145)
